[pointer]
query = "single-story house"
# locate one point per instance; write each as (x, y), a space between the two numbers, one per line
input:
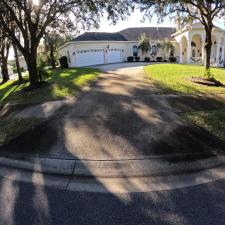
(22, 62)
(92, 48)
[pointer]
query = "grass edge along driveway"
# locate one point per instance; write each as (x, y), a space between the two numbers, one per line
(213, 121)
(175, 78)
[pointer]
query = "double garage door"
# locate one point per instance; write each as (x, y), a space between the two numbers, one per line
(97, 56)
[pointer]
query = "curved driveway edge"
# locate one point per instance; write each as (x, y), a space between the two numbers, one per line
(115, 168)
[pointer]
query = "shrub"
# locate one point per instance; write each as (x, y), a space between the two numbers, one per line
(137, 59)
(208, 75)
(147, 59)
(63, 62)
(159, 59)
(42, 72)
(15, 70)
(173, 59)
(130, 59)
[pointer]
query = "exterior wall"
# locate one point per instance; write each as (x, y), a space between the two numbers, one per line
(70, 50)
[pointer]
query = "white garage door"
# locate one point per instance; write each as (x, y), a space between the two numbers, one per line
(90, 57)
(114, 55)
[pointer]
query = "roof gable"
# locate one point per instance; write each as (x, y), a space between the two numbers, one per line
(154, 33)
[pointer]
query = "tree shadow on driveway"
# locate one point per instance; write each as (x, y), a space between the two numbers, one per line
(107, 125)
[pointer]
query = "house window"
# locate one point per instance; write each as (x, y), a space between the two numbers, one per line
(135, 50)
(68, 56)
(193, 53)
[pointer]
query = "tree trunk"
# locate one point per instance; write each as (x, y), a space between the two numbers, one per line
(31, 61)
(52, 58)
(208, 47)
(20, 78)
(4, 69)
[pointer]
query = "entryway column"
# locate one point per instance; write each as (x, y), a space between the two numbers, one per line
(218, 52)
(181, 52)
(223, 53)
(189, 50)
(203, 50)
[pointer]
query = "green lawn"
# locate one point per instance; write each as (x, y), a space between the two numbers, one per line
(213, 121)
(174, 78)
(11, 128)
(63, 83)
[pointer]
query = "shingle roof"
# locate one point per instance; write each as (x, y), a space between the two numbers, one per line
(130, 34)
(99, 36)
(154, 33)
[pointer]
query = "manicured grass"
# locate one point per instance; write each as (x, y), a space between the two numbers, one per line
(175, 78)
(213, 121)
(11, 128)
(63, 83)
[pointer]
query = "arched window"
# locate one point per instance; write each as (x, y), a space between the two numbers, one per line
(135, 50)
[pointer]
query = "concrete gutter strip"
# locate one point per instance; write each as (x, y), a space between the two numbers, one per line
(142, 168)
(41, 165)
(111, 169)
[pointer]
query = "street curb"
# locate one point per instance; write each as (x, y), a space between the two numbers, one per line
(112, 169)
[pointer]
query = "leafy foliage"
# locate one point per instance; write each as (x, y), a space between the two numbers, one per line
(208, 75)
(144, 43)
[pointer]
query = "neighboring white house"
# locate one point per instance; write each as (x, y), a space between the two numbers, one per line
(10, 70)
(92, 48)
(22, 63)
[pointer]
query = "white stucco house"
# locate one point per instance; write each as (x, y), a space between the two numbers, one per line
(92, 48)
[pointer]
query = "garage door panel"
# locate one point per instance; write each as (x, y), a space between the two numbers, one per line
(114, 55)
(90, 57)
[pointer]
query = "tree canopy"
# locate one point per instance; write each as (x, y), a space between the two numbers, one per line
(33, 17)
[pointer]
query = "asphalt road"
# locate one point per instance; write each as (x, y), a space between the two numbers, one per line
(27, 204)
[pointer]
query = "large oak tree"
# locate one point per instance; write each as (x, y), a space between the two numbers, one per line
(4, 53)
(33, 17)
(205, 11)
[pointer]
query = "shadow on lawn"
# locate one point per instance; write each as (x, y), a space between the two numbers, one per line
(62, 83)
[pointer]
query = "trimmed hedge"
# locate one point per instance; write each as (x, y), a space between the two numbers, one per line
(137, 59)
(173, 59)
(130, 58)
(159, 59)
(147, 59)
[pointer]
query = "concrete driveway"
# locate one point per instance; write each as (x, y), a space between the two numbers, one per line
(121, 66)
(121, 117)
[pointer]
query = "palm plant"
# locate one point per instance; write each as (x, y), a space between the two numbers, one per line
(144, 44)
(166, 46)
